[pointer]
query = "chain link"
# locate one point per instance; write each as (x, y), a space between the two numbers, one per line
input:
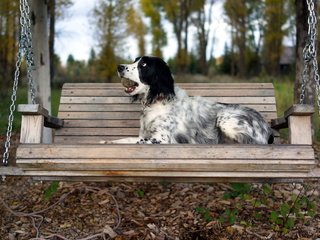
(310, 55)
(24, 49)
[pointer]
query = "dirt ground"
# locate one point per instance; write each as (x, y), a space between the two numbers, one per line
(158, 210)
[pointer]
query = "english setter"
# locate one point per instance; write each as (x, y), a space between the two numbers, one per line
(169, 115)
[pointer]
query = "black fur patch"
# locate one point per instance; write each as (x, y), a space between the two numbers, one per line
(156, 73)
(180, 138)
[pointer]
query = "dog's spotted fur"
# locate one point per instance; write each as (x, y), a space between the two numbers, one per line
(170, 116)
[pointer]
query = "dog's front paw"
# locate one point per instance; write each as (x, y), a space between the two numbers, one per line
(148, 141)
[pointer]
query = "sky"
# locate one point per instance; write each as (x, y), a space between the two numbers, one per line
(75, 34)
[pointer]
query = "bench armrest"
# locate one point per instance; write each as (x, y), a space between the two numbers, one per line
(34, 118)
(298, 119)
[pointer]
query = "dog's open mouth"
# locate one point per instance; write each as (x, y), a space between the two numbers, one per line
(129, 85)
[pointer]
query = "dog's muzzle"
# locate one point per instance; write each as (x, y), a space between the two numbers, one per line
(129, 85)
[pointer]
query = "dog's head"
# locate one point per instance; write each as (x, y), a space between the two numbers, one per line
(149, 77)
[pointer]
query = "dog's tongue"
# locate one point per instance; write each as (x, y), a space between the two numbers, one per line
(129, 85)
(129, 89)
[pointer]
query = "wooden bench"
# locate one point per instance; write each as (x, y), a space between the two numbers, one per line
(94, 113)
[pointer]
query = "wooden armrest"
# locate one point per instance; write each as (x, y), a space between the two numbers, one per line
(299, 110)
(32, 109)
(298, 119)
(299, 122)
(37, 109)
(294, 110)
(34, 119)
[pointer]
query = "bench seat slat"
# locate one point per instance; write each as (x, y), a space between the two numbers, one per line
(166, 151)
(183, 165)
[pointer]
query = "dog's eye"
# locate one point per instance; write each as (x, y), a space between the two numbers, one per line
(143, 64)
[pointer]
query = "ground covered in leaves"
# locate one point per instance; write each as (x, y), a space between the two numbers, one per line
(59, 210)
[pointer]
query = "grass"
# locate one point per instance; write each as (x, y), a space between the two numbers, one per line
(284, 88)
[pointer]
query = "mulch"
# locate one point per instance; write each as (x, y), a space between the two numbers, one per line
(152, 211)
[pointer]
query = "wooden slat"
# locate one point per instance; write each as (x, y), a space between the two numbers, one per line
(135, 107)
(99, 115)
(102, 123)
(98, 131)
(163, 175)
(166, 151)
(117, 100)
(85, 139)
(244, 177)
(183, 85)
(122, 115)
(159, 164)
(191, 92)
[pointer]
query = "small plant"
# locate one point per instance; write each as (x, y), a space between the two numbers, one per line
(140, 193)
(238, 190)
(229, 216)
(298, 208)
(51, 190)
(205, 213)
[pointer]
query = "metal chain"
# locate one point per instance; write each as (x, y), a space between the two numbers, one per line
(310, 54)
(24, 48)
(26, 26)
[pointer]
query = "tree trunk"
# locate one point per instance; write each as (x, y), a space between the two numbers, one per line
(52, 21)
(302, 33)
(242, 48)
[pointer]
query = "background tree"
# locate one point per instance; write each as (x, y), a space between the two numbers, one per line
(275, 17)
(136, 27)
(255, 34)
(178, 13)
(9, 14)
(201, 19)
(109, 17)
(151, 10)
(237, 13)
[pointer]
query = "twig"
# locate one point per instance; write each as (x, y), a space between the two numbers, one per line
(258, 235)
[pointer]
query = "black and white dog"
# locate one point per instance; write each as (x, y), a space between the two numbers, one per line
(170, 116)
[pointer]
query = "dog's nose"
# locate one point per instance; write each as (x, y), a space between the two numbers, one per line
(121, 68)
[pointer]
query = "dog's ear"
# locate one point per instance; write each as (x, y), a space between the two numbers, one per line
(162, 83)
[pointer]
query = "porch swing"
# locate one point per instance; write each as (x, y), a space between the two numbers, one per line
(92, 113)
